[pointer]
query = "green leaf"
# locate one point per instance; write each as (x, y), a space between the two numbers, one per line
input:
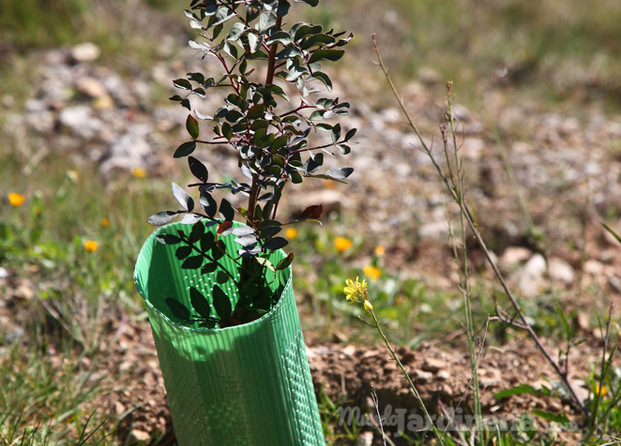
(191, 126)
(284, 263)
(209, 203)
(549, 416)
(350, 134)
(182, 197)
(199, 303)
(177, 309)
(168, 239)
(323, 77)
(161, 218)
(332, 55)
(283, 8)
(221, 303)
(266, 21)
(336, 132)
(193, 262)
(183, 252)
(198, 169)
(185, 149)
(519, 390)
(222, 277)
(184, 84)
(227, 211)
(276, 243)
(223, 14)
(236, 31)
(613, 233)
(340, 173)
(344, 148)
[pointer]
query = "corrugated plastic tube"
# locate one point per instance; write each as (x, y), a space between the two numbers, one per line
(243, 385)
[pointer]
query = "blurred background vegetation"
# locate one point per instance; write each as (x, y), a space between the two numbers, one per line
(552, 49)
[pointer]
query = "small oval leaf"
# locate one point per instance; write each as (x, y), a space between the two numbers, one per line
(191, 126)
(199, 303)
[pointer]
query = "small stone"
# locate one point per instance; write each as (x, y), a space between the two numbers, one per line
(593, 267)
(23, 292)
(80, 121)
(91, 87)
(103, 102)
(3, 273)
(433, 364)
(85, 52)
(349, 350)
(423, 376)
(581, 321)
(615, 283)
(530, 279)
(514, 255)
(561, 270)
(443, 375)
(119, 408)
(365, 439)
(137, 436)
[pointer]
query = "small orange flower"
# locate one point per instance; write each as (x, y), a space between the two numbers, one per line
(105, 222)
(16, 200)
(291, 233)
(139, 172)
(342, 244)
(372, 272)
(380, 250)
(91, 245)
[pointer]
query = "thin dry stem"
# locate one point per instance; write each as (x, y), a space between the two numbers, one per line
(467, 215)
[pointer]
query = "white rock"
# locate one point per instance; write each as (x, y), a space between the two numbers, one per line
(514, 255)
(138, 436)
(80, 121)
(85, 52)
(561, 270)
(530, 280)
(91, 87)
(364, 439)
(593, 267)
(129, 151)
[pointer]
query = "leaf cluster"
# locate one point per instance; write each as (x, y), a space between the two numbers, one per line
(262, 62)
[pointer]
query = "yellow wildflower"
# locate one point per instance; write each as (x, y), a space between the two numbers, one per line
(91, 245)
(380, 250)
(372, 272)
(291, 233)
(16, 199)
(342, 244)
(601, 391)
(105, 222)
(355, 291)
(368, 306)
(139, 172)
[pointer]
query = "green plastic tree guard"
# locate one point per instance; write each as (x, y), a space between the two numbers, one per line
(244, 385)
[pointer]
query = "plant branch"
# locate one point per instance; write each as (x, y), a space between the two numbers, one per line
(467, 215)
